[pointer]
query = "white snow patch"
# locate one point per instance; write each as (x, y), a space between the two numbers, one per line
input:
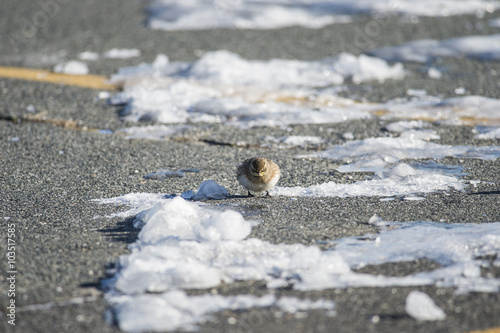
(434, 73)
(137, 202)
(88, 55)
(425, 50)
(421, 307)
(416, 92)
(153, 132)
(103, 94)
(348, 136)
(452, 111)
(175, 310)
(122, 53)
(375, 154)
(401, 179)
(72, 67)
(223, 87)
(201, 15)
(384, 156)
(488, 133)
(258, 14)
(185, 245)
(402, 126)
(303, 141)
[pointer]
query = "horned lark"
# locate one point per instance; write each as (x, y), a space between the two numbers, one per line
(258, 174)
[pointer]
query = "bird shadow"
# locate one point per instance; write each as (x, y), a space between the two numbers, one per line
(485, 193)
(124, 231)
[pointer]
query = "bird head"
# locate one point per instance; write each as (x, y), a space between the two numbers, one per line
(258, 167)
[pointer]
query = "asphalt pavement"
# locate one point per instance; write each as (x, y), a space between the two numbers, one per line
(49, 173)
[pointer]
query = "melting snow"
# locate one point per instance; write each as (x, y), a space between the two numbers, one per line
(452, 111)
(257, 14)
(384, 156)
(425, 50)
(222, 86)
(185, 245)
(402, 179)
(375, 154)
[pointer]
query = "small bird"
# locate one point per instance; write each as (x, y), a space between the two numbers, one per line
(258, 174)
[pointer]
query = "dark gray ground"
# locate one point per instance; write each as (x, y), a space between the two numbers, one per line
(50, 175)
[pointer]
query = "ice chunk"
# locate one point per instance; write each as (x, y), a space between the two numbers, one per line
(421, 307)
(348, 136)
(402, 170)
(375, 220)
(294, 305)
(169, 218)
(122, 53)
(185, 220)
(209, 189)
(413, 129)
(72, 67)
(402, 126)
(88, 55)
(434, 73)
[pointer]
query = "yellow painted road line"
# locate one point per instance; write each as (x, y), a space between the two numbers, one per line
(488, 330)
(86, 81)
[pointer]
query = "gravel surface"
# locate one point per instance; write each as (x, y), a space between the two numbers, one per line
(51, 170)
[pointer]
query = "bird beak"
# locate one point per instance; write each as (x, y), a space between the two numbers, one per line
(261, 174)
